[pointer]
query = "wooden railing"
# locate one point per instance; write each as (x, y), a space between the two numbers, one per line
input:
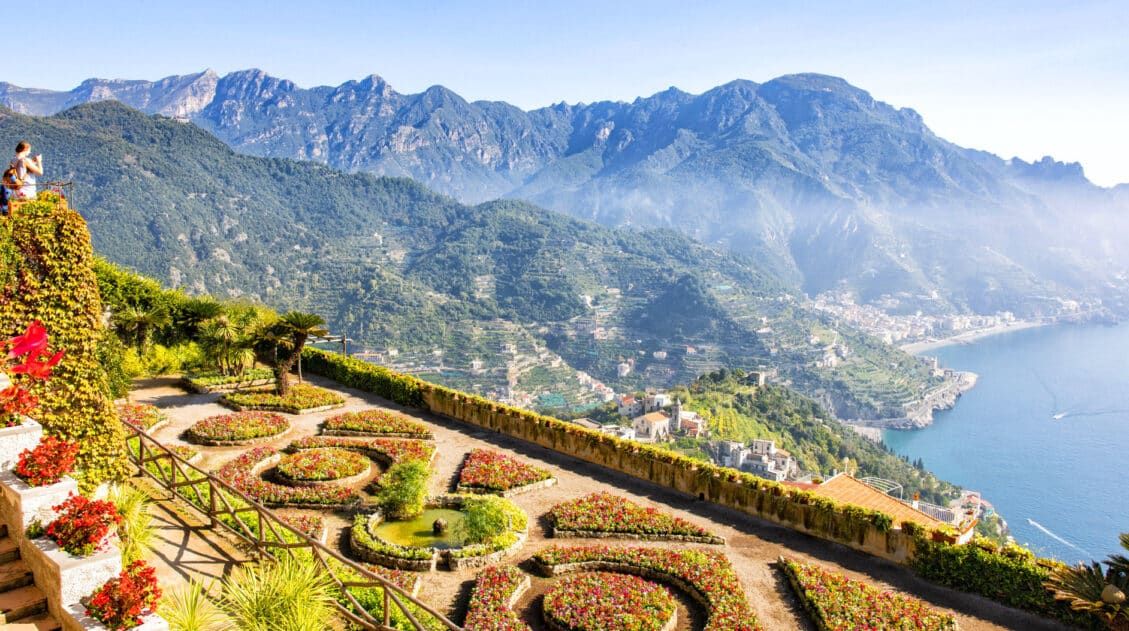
(270, 536)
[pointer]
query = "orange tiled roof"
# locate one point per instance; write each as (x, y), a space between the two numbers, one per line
(653, 417)
(847, 490)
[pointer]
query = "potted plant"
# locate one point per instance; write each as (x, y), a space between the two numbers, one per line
(40, 481)
(127, 601)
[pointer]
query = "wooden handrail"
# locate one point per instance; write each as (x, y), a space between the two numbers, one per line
(150, 451)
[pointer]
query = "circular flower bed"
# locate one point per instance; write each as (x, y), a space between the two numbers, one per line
(322, 465)
(244, 473)
(238, 429)
(141, 415)
(602, 601)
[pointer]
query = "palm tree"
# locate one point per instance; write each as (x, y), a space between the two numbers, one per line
(290, 334)
(1100, 592)
(138, 323)
(193, 313)
(227, 343)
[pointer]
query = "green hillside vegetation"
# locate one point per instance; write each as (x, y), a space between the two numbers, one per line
(739, 411)
(394, 265)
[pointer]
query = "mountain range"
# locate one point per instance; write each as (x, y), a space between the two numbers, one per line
(502, 298)
(823, 186)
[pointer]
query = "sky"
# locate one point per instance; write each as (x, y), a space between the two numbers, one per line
(1023, 79)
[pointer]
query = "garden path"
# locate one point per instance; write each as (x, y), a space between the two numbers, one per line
(752, 545)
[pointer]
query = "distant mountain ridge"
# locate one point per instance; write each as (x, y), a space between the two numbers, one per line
(824, 185)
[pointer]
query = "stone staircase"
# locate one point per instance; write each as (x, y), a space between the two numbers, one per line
(23, 607)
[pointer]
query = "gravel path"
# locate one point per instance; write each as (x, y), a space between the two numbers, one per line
(752, 545)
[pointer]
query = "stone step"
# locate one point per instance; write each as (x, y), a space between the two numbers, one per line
(9, 551)
(42, 622)
(14, 574)
(22, 602)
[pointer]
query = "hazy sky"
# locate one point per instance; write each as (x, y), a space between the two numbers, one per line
(1020, 79)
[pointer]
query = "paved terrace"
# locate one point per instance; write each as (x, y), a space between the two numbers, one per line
(752, 545)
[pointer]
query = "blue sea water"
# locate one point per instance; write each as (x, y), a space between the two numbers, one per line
(1062, 485)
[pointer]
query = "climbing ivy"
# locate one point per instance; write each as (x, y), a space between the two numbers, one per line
(49, 277)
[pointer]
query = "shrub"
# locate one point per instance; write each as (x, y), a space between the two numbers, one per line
(82, 525)
(607, 513)
(140, 415)
(837, 602)
(240, 426)
(112, 357)
(486, 518)
(48, 462)
(218, 379)
(189, 609)
(122, 601)
(52, 280)
(377, 423)
(489, 608)
(602, 600)
(493, 471)
(318, 465)
(404, 489)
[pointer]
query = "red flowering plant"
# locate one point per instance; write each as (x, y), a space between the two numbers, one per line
(491, 471)
(51, 459)
(26, 357)
(82, 525)
(123, 601)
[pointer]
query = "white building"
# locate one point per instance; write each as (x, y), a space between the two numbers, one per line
(655, 401)
(651, 427)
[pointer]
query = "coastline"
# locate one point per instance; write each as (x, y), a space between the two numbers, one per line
(916, 348)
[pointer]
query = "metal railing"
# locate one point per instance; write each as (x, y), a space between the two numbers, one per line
(269, 535)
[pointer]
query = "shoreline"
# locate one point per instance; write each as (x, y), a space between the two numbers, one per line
(916, 348)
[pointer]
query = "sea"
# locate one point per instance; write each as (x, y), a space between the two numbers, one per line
(1044, 435)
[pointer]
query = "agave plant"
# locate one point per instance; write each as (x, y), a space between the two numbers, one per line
(190, 609)
(1097, 590)
(136, 527)
(287, 595)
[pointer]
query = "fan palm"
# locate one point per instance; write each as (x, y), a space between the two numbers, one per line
(138, 323)
(291, 333)
(1101, 592)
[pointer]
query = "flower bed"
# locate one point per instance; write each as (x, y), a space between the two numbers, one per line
(301, 399)
(141, 415)
(215, 382)
(51, 459)
(837, 602)
(705, 575)
(313, 526)
(390, 451)
(323, 465)
(184, 452)
(83, 526)
(243, 473)
(241, 428)
(607, 515)
(496, 590)
(375, 423)
(602, 600)
(486, 471)
(124, 601)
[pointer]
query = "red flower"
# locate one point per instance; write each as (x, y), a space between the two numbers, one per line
(123, 601)
(48, 462)
(37, 368)
(32, 342)
(83, 525)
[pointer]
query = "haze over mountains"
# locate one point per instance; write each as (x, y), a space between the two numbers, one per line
(822, 185)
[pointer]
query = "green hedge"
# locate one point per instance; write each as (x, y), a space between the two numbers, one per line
(354, 373)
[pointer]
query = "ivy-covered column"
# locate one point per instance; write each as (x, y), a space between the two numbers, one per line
(48, 275)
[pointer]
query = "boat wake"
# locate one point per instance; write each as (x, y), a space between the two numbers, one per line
(1057, 538)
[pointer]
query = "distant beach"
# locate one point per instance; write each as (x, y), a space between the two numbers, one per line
(967, 337)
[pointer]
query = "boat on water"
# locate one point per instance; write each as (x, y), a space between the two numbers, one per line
(1059, 416)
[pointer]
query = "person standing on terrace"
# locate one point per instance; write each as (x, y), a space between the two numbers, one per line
(27, 168)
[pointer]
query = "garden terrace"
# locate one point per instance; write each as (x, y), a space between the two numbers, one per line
(486, 471)
(837, 602)
(752, 545)
(301, 399)
(375, 423)
(605, 515)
